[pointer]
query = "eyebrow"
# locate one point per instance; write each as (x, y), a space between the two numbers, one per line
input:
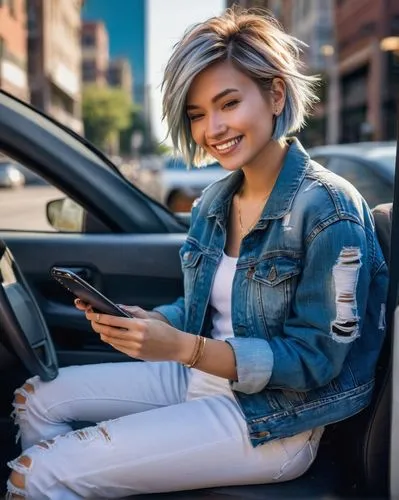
(214, 99)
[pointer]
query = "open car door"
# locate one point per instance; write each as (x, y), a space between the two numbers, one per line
(393, 326)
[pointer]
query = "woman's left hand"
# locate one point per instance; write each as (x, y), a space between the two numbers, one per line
(146, 339)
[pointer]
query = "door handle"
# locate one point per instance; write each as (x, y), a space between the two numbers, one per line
(83, 272)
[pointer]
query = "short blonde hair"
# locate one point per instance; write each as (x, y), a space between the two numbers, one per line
(256, 45)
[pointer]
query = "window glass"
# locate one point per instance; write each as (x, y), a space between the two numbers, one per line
(373, 188)
(23, 202)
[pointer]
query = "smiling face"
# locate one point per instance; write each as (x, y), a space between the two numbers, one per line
(231, 117)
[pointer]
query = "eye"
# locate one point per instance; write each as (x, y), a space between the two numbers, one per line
(231, 104)
(194, 118)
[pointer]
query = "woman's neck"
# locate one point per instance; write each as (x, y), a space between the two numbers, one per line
(260, 176)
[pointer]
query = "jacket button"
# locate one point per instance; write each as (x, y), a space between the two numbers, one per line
(251, 272)
(273, 274)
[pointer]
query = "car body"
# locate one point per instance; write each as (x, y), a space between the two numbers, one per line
(369, 166)
(10, 176)
(127, 246)
(182, 184)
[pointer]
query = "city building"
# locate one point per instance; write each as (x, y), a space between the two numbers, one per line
(368, 75)
(264, 4)
(14, 48)
(120, 75)
(95, 53)
(125, 22)
(55, 59)
(282, 9)
(312, 22)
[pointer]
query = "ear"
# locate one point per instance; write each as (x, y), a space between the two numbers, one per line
(278, 93)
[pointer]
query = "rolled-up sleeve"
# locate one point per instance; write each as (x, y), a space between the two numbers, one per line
(254, 363)
(174, 313)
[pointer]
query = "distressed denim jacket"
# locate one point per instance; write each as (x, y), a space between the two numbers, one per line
(308, 297)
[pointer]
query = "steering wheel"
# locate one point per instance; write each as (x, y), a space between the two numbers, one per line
(21, 321)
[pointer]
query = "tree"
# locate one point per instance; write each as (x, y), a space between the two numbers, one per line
(136, 124)
(106, 112)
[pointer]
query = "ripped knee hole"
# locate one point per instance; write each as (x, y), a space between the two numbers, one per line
(17, 478)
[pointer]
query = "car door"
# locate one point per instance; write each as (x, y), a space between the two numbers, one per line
(127, 245)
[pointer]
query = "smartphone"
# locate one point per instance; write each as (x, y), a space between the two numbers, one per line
(87, 293)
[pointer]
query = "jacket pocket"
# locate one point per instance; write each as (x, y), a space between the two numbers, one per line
(191, 258)
(273, 284)
(274, 271)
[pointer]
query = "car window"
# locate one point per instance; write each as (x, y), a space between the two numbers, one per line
(373, 188)
(24, 198)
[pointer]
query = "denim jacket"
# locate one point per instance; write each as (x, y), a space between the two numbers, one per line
(308, 297)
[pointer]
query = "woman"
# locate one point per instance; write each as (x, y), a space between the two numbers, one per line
(282, 318)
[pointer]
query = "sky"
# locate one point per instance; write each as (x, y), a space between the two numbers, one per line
(124, 20)
(166, 22)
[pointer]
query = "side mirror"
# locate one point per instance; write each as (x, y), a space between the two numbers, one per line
(65, 215)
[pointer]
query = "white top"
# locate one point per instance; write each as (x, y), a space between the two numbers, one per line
(220, 299)
(203, 384)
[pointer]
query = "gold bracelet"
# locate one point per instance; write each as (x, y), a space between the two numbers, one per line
(200, 351)
(195, 352)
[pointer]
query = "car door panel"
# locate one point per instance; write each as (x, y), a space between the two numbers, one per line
(143, 270)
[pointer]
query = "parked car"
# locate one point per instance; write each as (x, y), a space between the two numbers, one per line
(126, 244)
(10, 176)
(181, 185)
(369, 166)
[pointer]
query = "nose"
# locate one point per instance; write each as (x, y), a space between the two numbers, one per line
(215, 127)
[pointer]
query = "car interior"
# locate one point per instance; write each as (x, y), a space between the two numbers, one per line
(126, 246)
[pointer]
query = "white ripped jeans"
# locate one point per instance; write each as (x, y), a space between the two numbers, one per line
(161, 427)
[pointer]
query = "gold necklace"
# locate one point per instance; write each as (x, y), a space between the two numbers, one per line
(244, 232)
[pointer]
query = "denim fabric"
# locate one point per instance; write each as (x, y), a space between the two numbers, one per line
(308, 301)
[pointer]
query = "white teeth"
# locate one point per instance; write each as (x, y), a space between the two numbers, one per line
(228, 145)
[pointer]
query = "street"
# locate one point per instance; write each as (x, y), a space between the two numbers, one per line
(25, 208)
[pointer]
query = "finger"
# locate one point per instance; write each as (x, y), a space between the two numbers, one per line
(114, 321)
(126, 351)
(136, 311)
(96, 327)
(118, 334)
(114, 336)
(128, 348)
(89, 312)
(79, 304)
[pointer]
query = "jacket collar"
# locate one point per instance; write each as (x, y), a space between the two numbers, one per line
(287, 184)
